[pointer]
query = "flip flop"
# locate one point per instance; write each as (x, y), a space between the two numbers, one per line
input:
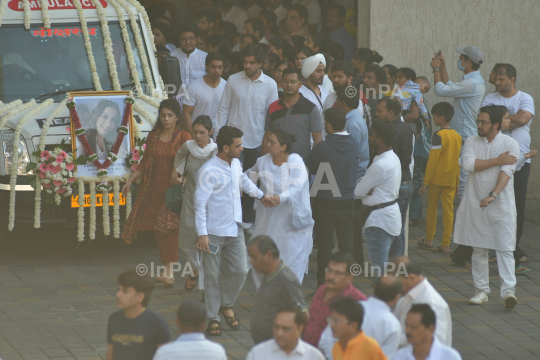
(213, 330)
(439, 250)
(192, 278)
(422, 244)
(230, 320)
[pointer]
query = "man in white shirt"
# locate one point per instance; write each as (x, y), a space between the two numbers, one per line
(313, 69)
(422, 344)
(191, 59)
(247, 96)
(520, 106)
(217, 216)
(379, 191)
(314, 19)
(232, 13)
(252, 8)
(204, 94)
(418, 290)
(289, 324)
(277, 7)
(379, 321)
(191, 344)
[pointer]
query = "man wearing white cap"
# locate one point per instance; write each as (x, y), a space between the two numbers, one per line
(313, 69)
(467, 94)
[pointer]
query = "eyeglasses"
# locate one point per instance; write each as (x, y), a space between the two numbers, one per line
(191, 38)
(289, 82)
(482, 122)
(330, 272)
(337, 321)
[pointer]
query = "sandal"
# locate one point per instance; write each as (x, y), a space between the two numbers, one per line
(422, 244)
(230, 319)
(522, 270)
(438, 249)
(192, 278)
(524, 259)
(213, 330)
(169, 282)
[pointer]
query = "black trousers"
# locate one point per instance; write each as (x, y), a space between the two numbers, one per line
(250, 157)
(358, 237)
(521, 179)
(330, 215)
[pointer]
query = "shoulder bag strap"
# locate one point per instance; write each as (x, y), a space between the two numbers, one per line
(317, 96)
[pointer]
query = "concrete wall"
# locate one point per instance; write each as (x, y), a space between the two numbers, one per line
(406, 33)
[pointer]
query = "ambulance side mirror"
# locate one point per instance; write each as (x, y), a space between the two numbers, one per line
(169, 69)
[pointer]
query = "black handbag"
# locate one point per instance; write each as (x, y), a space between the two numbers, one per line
(175, 193)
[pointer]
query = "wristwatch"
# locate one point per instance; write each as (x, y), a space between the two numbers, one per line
(493, 194)
(436, 69)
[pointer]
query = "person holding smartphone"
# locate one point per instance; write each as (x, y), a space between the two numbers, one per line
(218, 214)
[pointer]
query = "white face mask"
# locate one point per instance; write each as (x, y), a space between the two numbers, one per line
(461, 68)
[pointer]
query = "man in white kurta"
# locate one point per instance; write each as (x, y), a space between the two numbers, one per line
(486, 218)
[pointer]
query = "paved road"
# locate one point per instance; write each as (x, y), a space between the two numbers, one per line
(55, 297)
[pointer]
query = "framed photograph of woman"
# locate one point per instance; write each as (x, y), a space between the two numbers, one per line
(100, 114)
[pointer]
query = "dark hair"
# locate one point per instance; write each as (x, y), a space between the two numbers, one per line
(210, 15)
(161, 49)
(141, 284)
(342, 257)
(298, 317)
(443, 109)
(229, 29)
(321, 40)
(284, 138)
(428, 315)
(367, 56)
(504, 110)
(186, 28)
(341, 10)
(409, 73)
(336, 118)
(272, 58)
(265, 244)
(509, 70)
(165, 30)
(350, 308)
(350, 96)
(270, 16)
(226, 136)
(495, 114)
(205, 121)
(378, 71)
(285, 62)
(214, 56)
(411, 267)
(257, 25)
(253, 38)
(384, 130)
(344, 66)
(265, 47)
(292, 70)
(336, 51)
(174, 106)
(237, 60)
(254, 50)
(301, 10)
(392, 104)
(159, 18)
(280, 43)
(297, 41)
(304, 50)
(496, 67)
(104, 104)
(155, 10)
(387, 287)
(222, 44)
(191, 314)
(392, 70)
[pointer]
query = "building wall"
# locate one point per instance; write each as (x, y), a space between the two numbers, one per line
(408, 32)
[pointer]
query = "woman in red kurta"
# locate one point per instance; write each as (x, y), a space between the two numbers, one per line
(149, 211)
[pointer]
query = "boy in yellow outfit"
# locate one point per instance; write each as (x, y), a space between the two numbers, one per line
(442, 176)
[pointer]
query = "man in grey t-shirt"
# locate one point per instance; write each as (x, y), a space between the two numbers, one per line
(294, 114)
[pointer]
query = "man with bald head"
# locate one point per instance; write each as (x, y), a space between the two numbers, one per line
(379, 321)
(418, 290)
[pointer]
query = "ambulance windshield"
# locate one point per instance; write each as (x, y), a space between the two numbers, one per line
(42, 61)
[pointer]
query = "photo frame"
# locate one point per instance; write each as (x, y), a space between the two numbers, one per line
(100, 114)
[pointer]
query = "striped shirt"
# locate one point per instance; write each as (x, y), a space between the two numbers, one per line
(191, 346)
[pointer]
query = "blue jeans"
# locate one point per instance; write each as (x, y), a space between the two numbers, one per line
(381, 247)
(405, 194)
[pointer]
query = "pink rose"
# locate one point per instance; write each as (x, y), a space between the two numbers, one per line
(47, 186)
(45, 154)
(144, 146)
(57, 183)
(42, 175)
(135, 150)
(63, 154)
(50, 167)
(136, 156)
(70, 166)
(61, 191)
(134, 167)
(59, 159)
(43, 167)
(56, 169)
(71, 180)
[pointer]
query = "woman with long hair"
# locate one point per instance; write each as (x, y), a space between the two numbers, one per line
(284, 176)
(149, 211)
(362, 57)
(189, 159)
(104, 122)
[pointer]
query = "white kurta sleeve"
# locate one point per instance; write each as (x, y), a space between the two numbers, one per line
(326, 342)
(514, 151)
(468, 155)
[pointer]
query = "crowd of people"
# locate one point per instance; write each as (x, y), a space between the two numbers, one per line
(287, 133)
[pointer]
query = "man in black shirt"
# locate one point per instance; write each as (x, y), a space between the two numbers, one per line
(389, 110)
(135, 333)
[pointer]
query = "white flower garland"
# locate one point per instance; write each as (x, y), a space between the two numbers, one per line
(139, 42)
(26, 9)
(116, 208)
(80, 224)
(47, 124)
(150, 100)
(45, 14)
(15, 165)
(92, 231)
(17, 109)
(142, 111)
(129, 199)
(107, 44)
(37, 211)
(11, 105)
(88, 46)
(3, 4)
(106, 219)
(142, 10)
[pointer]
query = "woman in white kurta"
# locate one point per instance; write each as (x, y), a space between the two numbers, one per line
(289, 224)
